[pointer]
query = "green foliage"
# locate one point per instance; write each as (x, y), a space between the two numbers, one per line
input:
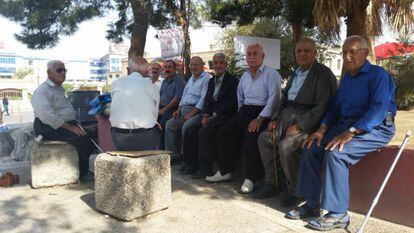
(402, 69)
(22, 73)
(68, 88)
(106, 88)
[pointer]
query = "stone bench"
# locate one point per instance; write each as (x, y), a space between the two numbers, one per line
(127, 188)
(53, 163)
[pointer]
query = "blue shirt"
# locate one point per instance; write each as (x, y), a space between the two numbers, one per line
(297, 83)
(368, 97)
(260, 91)
(195, 91)
(171, 88)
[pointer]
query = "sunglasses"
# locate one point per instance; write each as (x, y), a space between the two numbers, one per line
(61, 70)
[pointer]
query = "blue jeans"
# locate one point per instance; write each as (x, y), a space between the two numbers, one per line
(333, 193)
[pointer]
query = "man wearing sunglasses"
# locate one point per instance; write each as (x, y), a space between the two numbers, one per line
(55, 118)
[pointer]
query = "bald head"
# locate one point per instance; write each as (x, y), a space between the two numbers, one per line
(196, 66)
(137, 64)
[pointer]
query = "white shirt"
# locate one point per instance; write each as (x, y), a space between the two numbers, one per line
(134, 102)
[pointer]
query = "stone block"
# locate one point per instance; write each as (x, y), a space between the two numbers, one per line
(53, 163)
(128, 188)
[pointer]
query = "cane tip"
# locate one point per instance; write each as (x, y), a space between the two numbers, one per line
(409, 132)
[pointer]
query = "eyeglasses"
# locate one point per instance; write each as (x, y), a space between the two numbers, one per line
(61, 70)
(351, 51)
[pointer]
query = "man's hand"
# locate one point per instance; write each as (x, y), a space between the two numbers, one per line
(254, 125)
(176, 114)
(159, 126)
(188, 115)
(271, 126)
(161, 111)
(339, 140)
(318, 136)
(292, 130)
(206, 120)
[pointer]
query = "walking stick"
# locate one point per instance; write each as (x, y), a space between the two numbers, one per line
(375, 201)
(93, 141)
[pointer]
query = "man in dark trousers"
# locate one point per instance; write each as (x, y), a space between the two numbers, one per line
(220, 104)
(55, 118)
(359, 121)
(304, 102)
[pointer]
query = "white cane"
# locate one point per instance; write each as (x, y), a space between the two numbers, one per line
(93, 141)
(375, 201)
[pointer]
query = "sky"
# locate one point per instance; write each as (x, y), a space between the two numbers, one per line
(90, 42)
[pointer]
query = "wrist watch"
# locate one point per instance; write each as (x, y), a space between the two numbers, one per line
(353, 131)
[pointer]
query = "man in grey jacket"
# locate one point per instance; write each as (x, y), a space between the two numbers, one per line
(304, 102)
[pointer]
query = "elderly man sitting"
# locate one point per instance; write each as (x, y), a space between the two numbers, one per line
(55, 118)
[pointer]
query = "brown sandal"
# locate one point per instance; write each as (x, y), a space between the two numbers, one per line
(6, 181)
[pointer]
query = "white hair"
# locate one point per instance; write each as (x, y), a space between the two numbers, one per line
(258, 45)
(358, 38)
(222, 55)
(138, 64)
(52, 64)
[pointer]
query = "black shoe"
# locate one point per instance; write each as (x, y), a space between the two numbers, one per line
(189, 170)
(88, 177)
(302, 212)
(290, 201)
(267, 191)
(199, 175)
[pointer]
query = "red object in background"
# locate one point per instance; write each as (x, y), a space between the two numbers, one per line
(104, 134)
(392, 49)
(396, 203)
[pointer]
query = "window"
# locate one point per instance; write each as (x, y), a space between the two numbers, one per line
(115, 69)
(8, 60)
(7, 70)
(114, 60)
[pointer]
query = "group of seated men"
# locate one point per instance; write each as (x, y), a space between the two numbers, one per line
(301, 140)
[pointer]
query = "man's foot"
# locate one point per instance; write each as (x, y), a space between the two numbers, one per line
(267, 191)
(199, 175)
(189, 170)
(247, 186)
(88, 177)
(218, 177)
(302, 212)
(329, 222)
(290, 201)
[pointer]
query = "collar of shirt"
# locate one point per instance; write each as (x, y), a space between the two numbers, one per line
(219, 79)
(365, 68)
(261, 68)
(135, 75)
(50, 82)
(299, 71)
(199, 77)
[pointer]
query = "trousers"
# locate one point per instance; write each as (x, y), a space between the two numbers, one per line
(333, 192)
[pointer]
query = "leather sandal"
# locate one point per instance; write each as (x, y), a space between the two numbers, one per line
(302, 212)
(6, 181)
(329, 222)
(16, 178)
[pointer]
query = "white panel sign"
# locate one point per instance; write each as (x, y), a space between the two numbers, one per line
(271, 49)
(172, 42)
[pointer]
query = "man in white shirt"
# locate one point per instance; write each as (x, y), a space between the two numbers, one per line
(154, 70)
(134, 109)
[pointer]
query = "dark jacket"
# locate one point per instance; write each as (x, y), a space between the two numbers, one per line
(226, 105)
(316, 93)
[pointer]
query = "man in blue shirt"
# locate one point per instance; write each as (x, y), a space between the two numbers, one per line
(359, 121)
(189, 109)
(258, 88)
(170, 95)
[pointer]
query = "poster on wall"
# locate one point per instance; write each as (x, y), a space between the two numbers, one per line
(172, 42)
(271, 48)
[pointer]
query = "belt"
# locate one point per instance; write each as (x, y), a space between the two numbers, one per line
(130, 131)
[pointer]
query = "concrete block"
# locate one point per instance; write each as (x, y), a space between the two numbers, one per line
(53, 163)
(128, 188)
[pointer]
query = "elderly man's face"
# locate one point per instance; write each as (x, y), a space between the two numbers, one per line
(354, 56)
(196, 66)
(305, 55)
(255, 57)
(219, 65)
(57, 74)
(154, 70)
(168, 69)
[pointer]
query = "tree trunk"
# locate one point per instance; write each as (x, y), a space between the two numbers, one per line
(185, 24)
(139, 31)
(297, 35)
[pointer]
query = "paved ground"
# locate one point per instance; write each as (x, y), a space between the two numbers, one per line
(196, 207)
